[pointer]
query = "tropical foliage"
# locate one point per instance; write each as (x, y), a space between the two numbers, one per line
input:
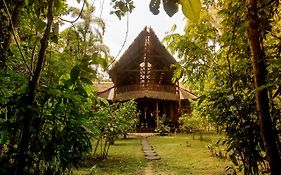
(49, 112)
(215, 61)
(110, 122)
(163, 128)
(194, 122)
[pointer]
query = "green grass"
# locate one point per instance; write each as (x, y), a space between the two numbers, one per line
(180, 155)
(125, 158)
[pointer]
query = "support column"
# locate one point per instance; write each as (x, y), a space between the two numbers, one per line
(157, 114)
(115, 86)
(179, 101)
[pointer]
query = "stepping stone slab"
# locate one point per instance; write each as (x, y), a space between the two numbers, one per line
(147, 146)
(145, 151)
(152, 157)
(149, 151)
(150, 154)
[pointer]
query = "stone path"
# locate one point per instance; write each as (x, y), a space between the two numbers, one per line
(148, 169)
(148, 151)
(149, 154)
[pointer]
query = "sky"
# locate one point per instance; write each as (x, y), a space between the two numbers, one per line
(140, 17)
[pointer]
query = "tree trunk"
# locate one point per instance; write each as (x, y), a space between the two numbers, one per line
(262, 101)
(29, 113)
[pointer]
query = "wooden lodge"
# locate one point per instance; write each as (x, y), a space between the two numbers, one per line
(144, 73)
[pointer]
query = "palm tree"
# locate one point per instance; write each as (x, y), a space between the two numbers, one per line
(85, 40)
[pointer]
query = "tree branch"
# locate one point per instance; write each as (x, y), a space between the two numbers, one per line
(278, 91)
(44, 43)
(29, 115)
(124, 42)
(15, 37)
(32, 54)
(277, 37)
(77, 16)
(13, 24)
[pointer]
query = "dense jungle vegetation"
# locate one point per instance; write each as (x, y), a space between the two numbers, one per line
(230, 55)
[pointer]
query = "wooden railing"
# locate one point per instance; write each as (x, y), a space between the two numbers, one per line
(141, 87)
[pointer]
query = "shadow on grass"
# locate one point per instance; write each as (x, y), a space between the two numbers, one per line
(125, 157)
(125, 141)
(116, 165)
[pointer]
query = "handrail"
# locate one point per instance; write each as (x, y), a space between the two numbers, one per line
(142, 87)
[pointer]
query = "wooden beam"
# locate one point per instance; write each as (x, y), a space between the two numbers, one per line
(152, 70)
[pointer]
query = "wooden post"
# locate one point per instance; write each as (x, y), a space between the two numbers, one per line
(115, 88)
(179, 102)
(156, 113)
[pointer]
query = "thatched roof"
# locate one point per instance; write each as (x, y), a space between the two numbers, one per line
(105, 90)
(143, 71)
(103, 86)
(185, 94)
(147, 47)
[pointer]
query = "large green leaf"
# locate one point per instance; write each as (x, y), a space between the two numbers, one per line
(54, 38)
(154, 6)
(75, 71)
(4, 136)
(170, 7)
(101, 61)
(58, 4)
(86, 80)
(191, 9)
(56, 28)
(278, 61)
(40, 25)
(201, 99)
(81, 91)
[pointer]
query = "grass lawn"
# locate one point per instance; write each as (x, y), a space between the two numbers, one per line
(125, 157)
(180, 155)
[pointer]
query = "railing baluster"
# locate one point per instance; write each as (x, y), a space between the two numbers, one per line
(165, 88)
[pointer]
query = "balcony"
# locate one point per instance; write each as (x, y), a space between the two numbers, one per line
(164, 92)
